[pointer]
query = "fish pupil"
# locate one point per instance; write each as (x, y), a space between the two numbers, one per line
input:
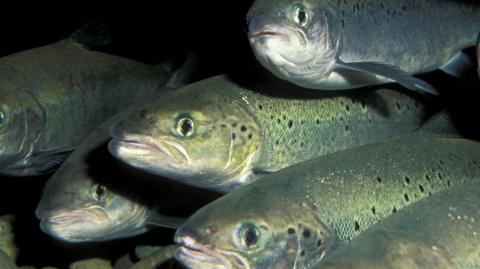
(302, 16)
(100, 191)
(251, 237)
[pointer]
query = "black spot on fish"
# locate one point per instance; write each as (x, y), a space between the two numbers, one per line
(374, 210)
(398, 105)
(379, 179)
(422, 190)
(234, 136)
(317, 121)
(347, 107)
(277, 142)
(284, 117)
(279, 120)
(290, 123)
(347, 128)
(302, 144)
(427, 177)
(302, 253)
(307, 233)
(271, 117)
(440, 176)
(301, 122)
(243, 128)
(442, 163)
(291, 231)
(250, 136)
(260, 107)
(223, 125)
(234, 124)
(394, 210)
(356, 226)
(449, 183)
(363, 104)
(143, 113)
(407, 180)
(405, 195)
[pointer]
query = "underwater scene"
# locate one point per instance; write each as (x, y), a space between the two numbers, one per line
(259, 134)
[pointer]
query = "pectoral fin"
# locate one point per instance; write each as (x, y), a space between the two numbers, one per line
(387, 71)
(159, 220)
(45, 161)
(460, 66)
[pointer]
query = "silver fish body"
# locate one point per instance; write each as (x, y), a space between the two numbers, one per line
(219, 134)
(335, 45)
(52, 97)
(439, 232)
(296, 216)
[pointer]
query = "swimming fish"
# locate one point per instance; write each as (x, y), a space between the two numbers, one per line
(439, 232)
(219, 134)
(296, 216)
(52, 97)
(90, 198)
(337, 45)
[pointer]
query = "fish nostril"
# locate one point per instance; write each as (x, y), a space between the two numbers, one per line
(185, 236)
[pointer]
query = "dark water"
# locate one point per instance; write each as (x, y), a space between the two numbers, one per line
(151, 33)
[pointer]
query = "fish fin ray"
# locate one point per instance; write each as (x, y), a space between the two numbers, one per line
(387, 71)
(441, 124)
(160, 220)
(93, 34)
(459, 66)
(46, 161)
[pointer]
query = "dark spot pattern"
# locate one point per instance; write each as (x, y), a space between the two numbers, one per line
(291, 231)
(290, 124)
(307, 233)
(356, 226)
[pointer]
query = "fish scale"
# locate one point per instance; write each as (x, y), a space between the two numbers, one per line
(242, 131)
(340, 45)
(312, 207)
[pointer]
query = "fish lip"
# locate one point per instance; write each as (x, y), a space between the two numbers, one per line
(135, 144)
(189, 249)
(268, 31)
(79, 215)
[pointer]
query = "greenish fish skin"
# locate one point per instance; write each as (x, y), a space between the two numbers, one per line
(439, 232)
(294, 217)
(219, 135)
(53, 96)
(77, 208)
(6, 261)
(336, 44)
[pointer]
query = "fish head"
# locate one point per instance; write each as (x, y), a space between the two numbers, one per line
(22, 121)
(295, 40)
(199, 135)
(253, 230)
(78, 209)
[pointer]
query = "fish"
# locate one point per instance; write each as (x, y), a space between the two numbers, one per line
(6, 261)
(52, 97)
(220, 134)
(90, 198)
(341, 45)
(478, 54)
(438, 232)
(298, 215)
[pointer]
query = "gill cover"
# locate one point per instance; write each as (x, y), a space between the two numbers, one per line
(22, 123)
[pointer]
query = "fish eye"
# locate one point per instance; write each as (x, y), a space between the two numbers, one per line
(249, 235)
(185, 127)
(98, 192)
(300, 14)
(3, 117)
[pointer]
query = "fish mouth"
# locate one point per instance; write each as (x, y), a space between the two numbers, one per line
(268, 32)
(195, 255)
(143, 146)
(80, 215)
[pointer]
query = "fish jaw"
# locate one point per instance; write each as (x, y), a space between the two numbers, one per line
(75, 226)
(195, 255)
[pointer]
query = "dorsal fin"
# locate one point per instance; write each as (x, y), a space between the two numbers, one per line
(93, 34)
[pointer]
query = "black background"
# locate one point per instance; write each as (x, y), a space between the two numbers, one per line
(152, 32)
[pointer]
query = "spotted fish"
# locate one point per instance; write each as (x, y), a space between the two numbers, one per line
(220, 134)
(296, 216)
(337, 45)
